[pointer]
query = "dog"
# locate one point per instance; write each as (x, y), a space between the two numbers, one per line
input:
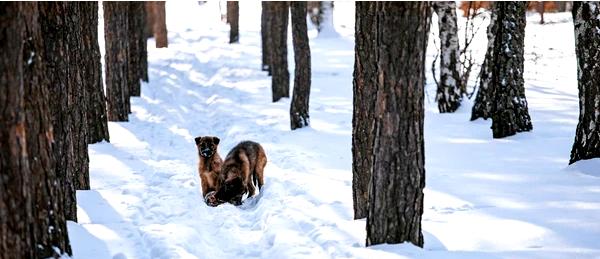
(241, 172)
(209, 166)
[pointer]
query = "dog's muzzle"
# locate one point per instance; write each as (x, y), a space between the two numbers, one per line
(206, 152)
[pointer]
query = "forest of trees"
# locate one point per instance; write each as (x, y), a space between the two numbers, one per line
(54, 105)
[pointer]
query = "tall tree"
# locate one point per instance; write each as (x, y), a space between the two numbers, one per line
(509, 108)
(482, 107)
(299, 116)
(149, 19)
(280, 81)
(449, 94)
(160, 25)
(325, 20)
(587, 47)
(115, 60)
(135, 37)
(396, 188)
(265, 29)
(96, 101)
(143, 45)
(365, 88)
(233, 17)
(16, 217)
(50, 228)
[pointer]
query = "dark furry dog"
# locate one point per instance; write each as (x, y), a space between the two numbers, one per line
(242, 170)
(209, 166)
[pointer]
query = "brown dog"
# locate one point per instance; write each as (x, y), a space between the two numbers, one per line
(209, 166)
(242, 170)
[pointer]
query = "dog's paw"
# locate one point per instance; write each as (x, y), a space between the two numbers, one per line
(211, 199)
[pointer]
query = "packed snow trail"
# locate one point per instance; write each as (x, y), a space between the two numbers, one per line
(512, 197)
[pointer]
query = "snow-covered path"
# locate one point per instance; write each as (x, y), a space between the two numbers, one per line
(513, 197)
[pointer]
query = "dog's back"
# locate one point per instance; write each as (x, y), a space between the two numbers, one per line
(243, 164)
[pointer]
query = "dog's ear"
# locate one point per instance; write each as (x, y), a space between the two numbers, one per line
(197, 139)
(216, 140)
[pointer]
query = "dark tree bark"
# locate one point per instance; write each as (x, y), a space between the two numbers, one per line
(265, 29)
(449, 94)
(134, 46)
(160, 25)
(50, 228)
(96, 101)
(299, 116)
(396, 189)
(280, 82)
(509, 110)
(149, 19)
(233, 18)
(482, 107)
(363, 119)
(143, 44)
(115, 60)
(59, 29)
(16, 217)
(587, 47)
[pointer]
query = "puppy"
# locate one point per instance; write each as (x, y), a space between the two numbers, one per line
(242, 170)
(209, 165)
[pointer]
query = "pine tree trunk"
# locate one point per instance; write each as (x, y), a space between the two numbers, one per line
(143, 44)
(449, 93)
(134, 46)
(62, 72)
(509, 109)
(96, 101)
(150, 19)
(299, 116)
(50, 228)
(482, 107)
(233, 17)
(326, 27)
(265, 29)
(363, 119)
(160, 25)
(396, 191)
(280, 81)
(115, 60)
(587, 47)
(16, 216)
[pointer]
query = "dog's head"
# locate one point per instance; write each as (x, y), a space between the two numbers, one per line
(207, 146)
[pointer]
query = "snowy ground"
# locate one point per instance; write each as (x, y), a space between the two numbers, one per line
(485, 198)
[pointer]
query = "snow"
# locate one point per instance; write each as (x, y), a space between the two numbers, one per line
(485, 198)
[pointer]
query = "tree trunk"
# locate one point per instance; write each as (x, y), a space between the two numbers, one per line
(482, 107)
(134, 46)
(396, 191)
(449, 93)
(541, 9)
(143, 44)
(587, 46)
(509, 110)
(149, 19)
(299, 116)
(115, 60)
(314, 13)
(160, 25)
(326, 27)
(16, 216)
(363, 119)
(280, 81)
(96, 101)
(265, 29)
(233, 17)
(50, 228)
(59, 32)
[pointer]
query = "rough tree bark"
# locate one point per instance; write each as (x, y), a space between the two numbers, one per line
(62, 72)
(143, 44)
(16, 217)
(280, 81)
(160, 25)
(509, 108)
(449, 94)
(363, 120)
(299, 116)
(96, 101)
(482, 107)
(265, 29)
(135, 35)
(50, 228)
(150, 19)
(587, 46)
(115, 60)
(233, 17)
(396, 189)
